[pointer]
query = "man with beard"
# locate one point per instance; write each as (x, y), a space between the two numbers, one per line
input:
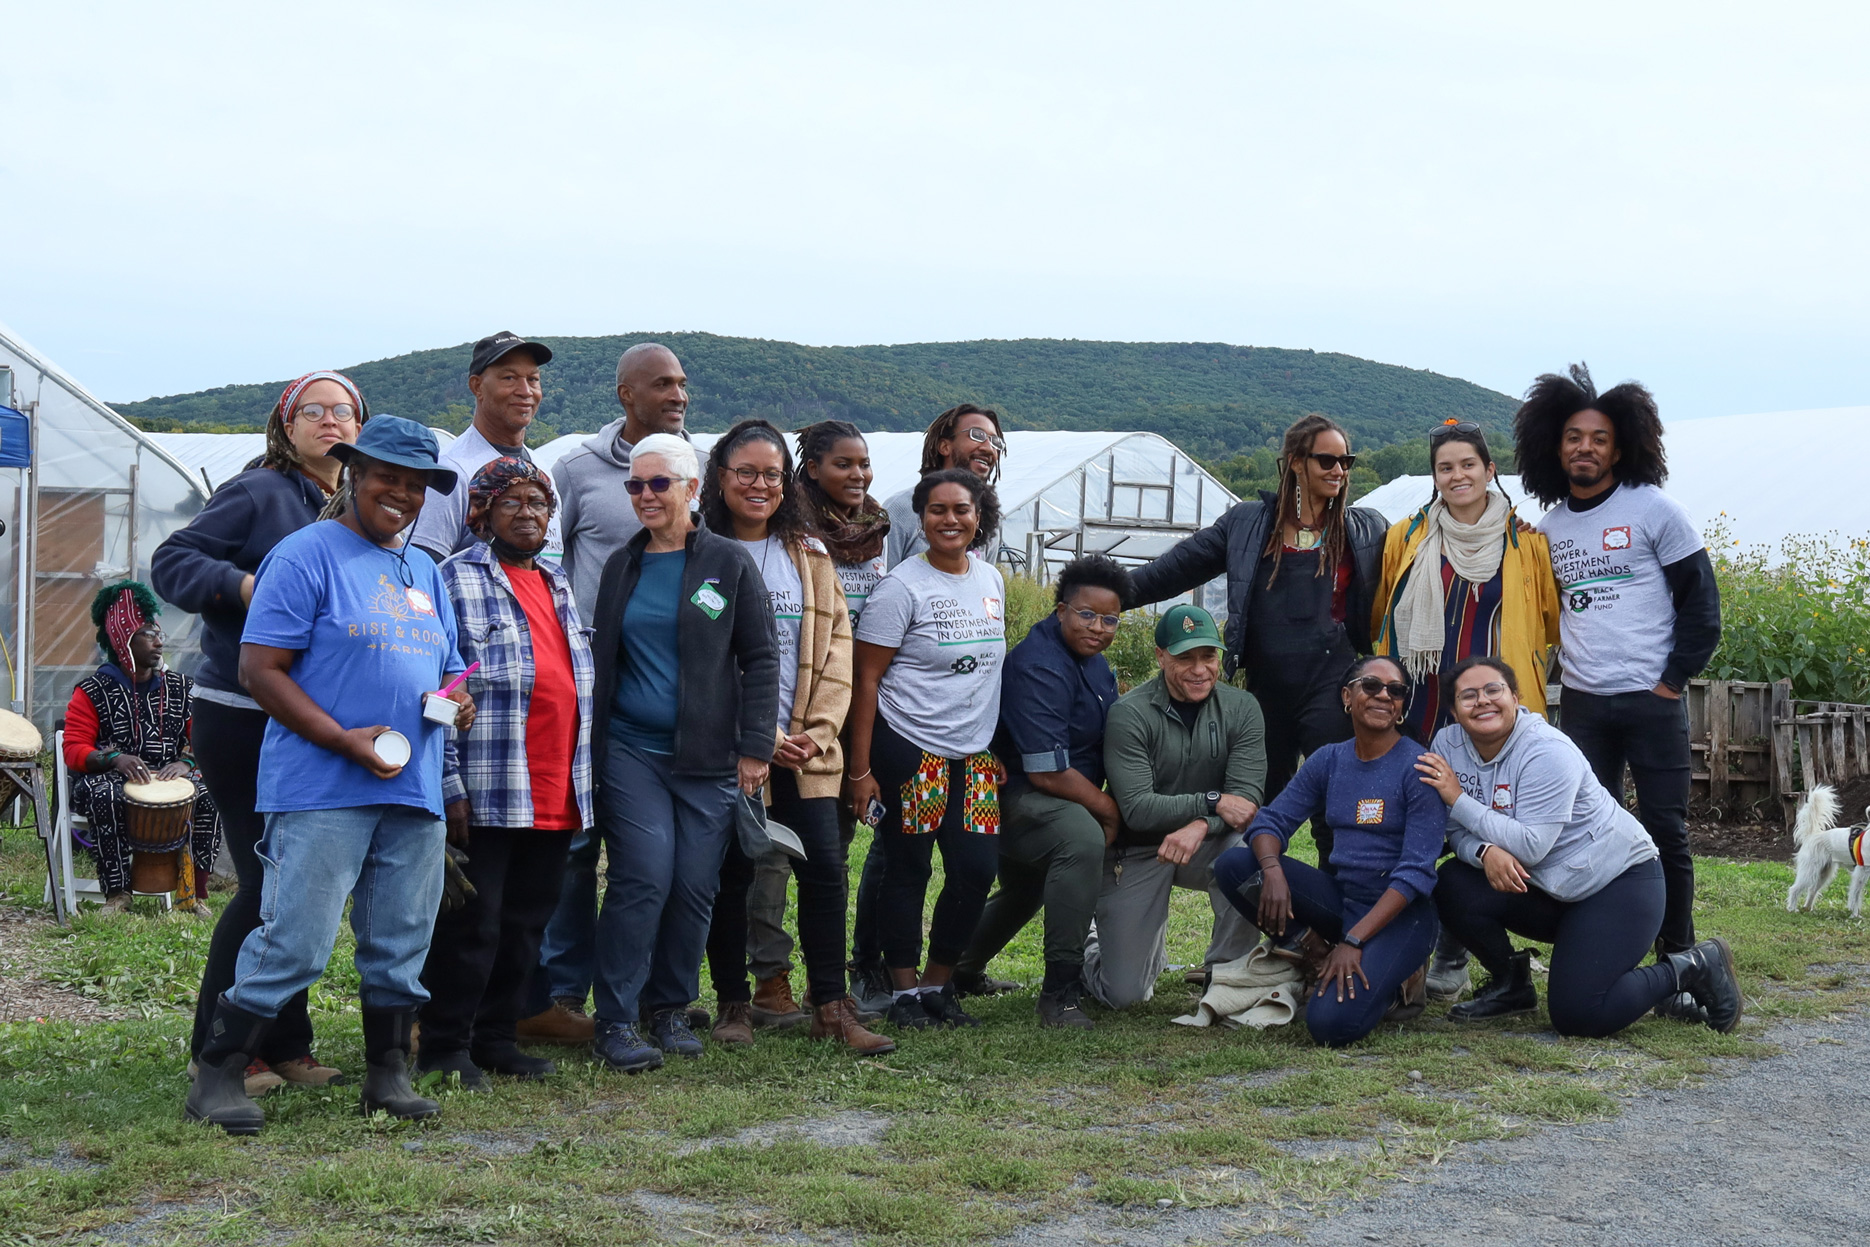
(962, 437)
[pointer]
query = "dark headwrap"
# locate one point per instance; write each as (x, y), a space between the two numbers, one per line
(489, 483)
(120, 611)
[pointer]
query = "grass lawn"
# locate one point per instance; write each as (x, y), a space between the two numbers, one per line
(953, 1138)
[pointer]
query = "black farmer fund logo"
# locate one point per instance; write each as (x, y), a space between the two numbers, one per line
(1580, 600)
(964, 665)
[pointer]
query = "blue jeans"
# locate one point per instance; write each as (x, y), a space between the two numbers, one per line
(665, 837)
(387, 859)
(568, 951)
(1324, 904)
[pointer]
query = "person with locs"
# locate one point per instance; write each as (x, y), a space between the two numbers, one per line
(349, 631)
(596, 519)
(1543, 850)
(1368, 929)
(208, 567)
(930, 649)
(1642, 611)
(503, 377)
(749, 495)
(518, 787)
(1185, 754)
(966, 437)
(1302, 571)
(1494, 594)
(1057, 818)
(688, 679)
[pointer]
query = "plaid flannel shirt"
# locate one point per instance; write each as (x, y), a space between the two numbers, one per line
(488, 764)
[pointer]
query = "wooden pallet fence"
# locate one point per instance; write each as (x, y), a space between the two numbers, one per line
(1730, 733)
(1818, 742)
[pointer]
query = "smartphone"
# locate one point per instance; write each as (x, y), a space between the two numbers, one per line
(873, 813)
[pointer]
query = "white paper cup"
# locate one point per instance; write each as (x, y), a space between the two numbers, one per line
(439, 709)
(393, 748)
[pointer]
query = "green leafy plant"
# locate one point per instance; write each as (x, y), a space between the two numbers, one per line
(1803, 616)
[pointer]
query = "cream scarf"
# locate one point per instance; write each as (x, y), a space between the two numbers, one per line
(1473, 550)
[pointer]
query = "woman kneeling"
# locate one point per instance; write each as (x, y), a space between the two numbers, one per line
(1543, 851)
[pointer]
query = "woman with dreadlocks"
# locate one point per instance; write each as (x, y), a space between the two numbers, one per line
(128, 723)
(1302, 572)
(208, 569)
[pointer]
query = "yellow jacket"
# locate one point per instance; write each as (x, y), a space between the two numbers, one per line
(1529, 607)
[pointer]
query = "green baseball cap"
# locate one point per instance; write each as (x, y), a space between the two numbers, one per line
(1183, 628)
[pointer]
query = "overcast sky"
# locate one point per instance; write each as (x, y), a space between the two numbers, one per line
(203, 194)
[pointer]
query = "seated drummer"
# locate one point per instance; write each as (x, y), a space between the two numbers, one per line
(128, 723)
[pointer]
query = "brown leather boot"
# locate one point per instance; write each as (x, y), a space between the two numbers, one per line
(736, 1024)
(560, 1024)
(773, 1005)
(838, 1021)
(1411, 998)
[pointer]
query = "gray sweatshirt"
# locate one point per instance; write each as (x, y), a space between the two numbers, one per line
(1539, 800)
(595, 518)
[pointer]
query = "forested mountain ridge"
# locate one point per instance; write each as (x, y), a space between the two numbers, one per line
(1213, 399)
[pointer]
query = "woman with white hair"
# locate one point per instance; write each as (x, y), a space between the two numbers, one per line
(688, 685)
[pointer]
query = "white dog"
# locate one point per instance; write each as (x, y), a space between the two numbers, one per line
(1824, 847)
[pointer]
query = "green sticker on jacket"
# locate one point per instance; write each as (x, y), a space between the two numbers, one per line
(709, 599)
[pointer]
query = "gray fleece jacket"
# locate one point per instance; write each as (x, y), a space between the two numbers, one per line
(595, 518)
(1539, 800)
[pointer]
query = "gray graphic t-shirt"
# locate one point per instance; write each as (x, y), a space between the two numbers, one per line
(1619, 619)
(942, 690)
(787, 596)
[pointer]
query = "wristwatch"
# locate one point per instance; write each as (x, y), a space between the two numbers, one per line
(1214, 803)
(1351, 941)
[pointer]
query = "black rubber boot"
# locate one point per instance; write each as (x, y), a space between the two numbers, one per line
(1706, 972)
(219, 1092)
(1509, 995)
(386, 1077)
(506, 1058)
(454, 1062)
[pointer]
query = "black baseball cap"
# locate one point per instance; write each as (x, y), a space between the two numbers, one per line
(491, 349)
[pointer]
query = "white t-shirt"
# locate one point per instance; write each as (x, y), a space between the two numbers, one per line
(787, 596)
(942, 690)
(859, 581)
(1618, 624)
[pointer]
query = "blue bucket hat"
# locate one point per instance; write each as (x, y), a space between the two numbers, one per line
(393, 439)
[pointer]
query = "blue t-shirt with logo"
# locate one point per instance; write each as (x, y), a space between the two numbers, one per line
(369, 648)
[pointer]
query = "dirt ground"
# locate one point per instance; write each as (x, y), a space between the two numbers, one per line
(24, 996)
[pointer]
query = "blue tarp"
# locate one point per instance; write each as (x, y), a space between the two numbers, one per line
(15, 440)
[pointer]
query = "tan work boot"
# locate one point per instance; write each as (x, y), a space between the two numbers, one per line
(1411, 998)
(564, 1023)
(838, 1021)
(773, 1005)
(736, 1024)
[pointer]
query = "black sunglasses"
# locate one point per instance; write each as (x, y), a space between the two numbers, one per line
(1327, 462)
(1448, 428)
(656, 484)
(1370, 686)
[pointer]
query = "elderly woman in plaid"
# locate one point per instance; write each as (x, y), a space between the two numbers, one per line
(519, 786)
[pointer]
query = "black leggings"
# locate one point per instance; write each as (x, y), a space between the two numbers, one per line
(227, 749)
(1595, 987)
(822, 899)
(969, 860)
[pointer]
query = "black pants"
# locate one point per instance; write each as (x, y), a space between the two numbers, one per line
(1650, 733)
(481, 954)
(822, 897)
(1300, 720)
(1596, 987)
(866, 935)
(969, 860)
(227, 749)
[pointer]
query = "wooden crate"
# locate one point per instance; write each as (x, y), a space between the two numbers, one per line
(1731, 739)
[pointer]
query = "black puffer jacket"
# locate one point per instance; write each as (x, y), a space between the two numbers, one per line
(1233, 546)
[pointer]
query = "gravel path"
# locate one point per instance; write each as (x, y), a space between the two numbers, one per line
(24, 996)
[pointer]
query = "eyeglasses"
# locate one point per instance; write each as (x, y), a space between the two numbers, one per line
(1110, 622)
(978, 434)
(655, 484)
(1370, 686)
(343, 413)
(1327, 462)
(513, 506)
(1448, 428)
(1493, 691)
(151, 633)
(746, 476)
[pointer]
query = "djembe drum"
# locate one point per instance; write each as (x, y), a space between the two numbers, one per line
(20, 744)
(157, 818)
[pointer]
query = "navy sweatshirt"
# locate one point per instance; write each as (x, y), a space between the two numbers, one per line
(199, 568)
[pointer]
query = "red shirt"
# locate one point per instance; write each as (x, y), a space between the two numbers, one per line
(552, 714)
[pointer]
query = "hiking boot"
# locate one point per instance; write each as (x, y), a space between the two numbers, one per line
(1411, 997)
(866, 1016)
(507, 1060)
(622, 1047)
(218, 1093)
(944, 1007)
(1448, 976)
(773, 1005)
(565, 1022)
(980, 983)
(1509, 995)
(458, 1063)
(736, 1024)
(838, 1022)
(907, 1012)
(870, 988)
(307, 1072)
(1706, 972)
(668, 1030)
(386, 1073)
(1064, 1009)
